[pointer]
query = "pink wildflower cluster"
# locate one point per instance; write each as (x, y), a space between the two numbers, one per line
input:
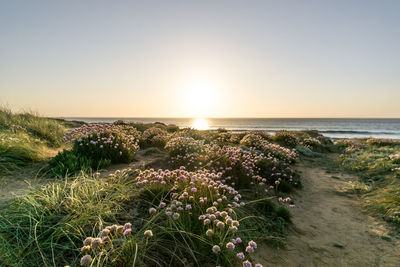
(185, 186)
(269, 149)
(241, 256)
(201, 194)
(105, 141)
(93, 246)
(237, 167)
(184, 151)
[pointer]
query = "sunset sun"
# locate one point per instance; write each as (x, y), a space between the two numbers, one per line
(200, 99)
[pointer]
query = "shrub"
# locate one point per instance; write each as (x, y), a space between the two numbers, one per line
(286, 139)
(383, 142)
(171, 128)
(154, 136)
(117, 143)
(251, 140)
(225, 138)
(68, 163)
(269, 149)
(184, 151)
(96, 146)
(239, 168)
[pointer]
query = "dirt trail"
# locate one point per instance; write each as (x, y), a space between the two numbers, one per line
(322, 217)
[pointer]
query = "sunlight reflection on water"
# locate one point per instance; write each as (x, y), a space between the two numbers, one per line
(200, 124)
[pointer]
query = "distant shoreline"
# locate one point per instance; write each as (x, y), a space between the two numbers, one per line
(331, 127)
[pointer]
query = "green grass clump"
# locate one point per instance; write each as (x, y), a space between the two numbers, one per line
(18, 150)
(46, 226)
(50, 131)
(26, 138)
(376, 161)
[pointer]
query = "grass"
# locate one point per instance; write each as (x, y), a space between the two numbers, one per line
(46, 226)
(379, 175)
(27, 138)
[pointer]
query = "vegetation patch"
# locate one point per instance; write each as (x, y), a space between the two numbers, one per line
(214, 197)
(26, 138)
(95, 146)
(377, 163)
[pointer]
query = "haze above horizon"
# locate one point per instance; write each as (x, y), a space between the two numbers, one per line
(201, 59)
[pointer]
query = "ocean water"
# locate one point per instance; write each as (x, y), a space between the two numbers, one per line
(334, 128)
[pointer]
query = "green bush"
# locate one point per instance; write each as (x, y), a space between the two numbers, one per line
(67, 163)
(154, 136)
(286, 139)
(96, 146)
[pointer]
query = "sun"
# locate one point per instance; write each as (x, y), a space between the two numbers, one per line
(200, 99)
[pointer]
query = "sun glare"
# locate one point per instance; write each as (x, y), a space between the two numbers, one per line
(200, 124)
(200, 98)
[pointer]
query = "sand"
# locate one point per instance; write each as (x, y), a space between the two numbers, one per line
(325, 218)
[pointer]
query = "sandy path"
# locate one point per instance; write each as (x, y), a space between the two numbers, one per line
(323, 216)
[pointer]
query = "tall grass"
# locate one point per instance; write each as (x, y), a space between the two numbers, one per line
(48, 130)
(46, 226)
(377, 163)
(25, 138)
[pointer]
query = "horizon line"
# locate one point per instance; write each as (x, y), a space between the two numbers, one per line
(99, 117)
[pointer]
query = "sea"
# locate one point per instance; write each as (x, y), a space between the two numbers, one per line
(334, 128)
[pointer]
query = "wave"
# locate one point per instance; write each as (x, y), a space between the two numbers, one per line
(354, 132)
(362, 132)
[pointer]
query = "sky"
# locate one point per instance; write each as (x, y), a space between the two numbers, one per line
(216, 58)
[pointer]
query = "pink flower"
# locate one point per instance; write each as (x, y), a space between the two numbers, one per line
(127, 225)
(240, 256)
(253, 244)
(249, 249)
(127, 231)
(230, 246)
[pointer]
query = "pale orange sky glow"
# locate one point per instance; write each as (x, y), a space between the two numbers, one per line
(201, 59)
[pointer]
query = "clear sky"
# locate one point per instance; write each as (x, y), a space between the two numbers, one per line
(201, 58)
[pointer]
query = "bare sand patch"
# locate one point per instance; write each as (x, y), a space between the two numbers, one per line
(330, 229)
